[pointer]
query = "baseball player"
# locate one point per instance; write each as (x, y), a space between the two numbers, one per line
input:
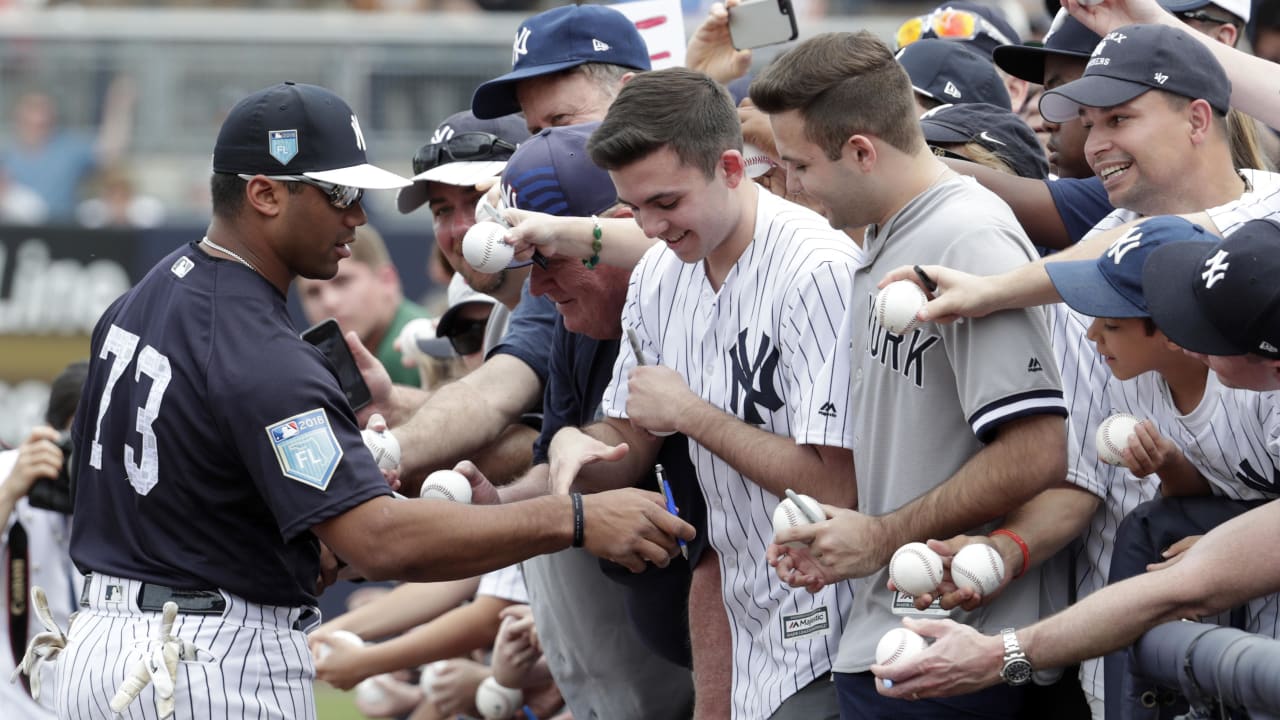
(735, 312)
(985, 398)
(218, 451)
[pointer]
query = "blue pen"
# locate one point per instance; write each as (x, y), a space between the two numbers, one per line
(671, 503)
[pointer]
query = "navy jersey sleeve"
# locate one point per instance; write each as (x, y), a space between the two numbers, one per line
(1080, 203)
(528, 336)
(557, 400)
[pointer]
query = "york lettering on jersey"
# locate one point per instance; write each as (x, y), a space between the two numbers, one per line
(754, 377)
(900, 353)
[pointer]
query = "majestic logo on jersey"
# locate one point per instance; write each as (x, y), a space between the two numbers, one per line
(1217, 269)
(828, 410)
(814, 622)
(1256, 480)
(755, 378)
(306, 448)
(1034, 366)
(897, 352)
(282, 145)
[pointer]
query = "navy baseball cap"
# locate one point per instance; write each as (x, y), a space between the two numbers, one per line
(1134, 59)
(1067, 37)
(1220, 298)
(552, 173)
(460, 295)
(951, 72)
(1240, 8)
(559, 39)
(296, 129)
(463, 151)
(1111, 285)
(995, 128)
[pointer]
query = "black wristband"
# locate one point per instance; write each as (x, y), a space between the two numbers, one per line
(578, 520)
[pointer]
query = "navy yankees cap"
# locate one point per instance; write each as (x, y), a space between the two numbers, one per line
(552, 173)
(464, 150)
(1111, 286)
(951, 72)
(1220, 298)
(559, 39)
(1137, 58)
(1240, 8)
(995, 128)
(1067, 37)
(296, 129)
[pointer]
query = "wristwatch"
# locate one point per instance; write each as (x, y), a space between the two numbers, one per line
(1017, 669)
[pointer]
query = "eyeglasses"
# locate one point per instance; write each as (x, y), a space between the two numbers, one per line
(945, 153)
(949, 24)
(1202, 16)
(468, 336)
(340, 196)
(465, 146)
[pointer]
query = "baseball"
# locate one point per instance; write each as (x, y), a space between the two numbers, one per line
(496, 702)
(979, 567)
(915, 569)
(897, 645)
(368, 691)
(339, 637)
(1113, 437)
(428, 676)
(418, 328)
(484, 249)
(447, 485)
(384, 446)
(787, 515)
(755, 160)
(897, 305)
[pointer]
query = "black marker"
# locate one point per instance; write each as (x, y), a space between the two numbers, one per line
(929, 284)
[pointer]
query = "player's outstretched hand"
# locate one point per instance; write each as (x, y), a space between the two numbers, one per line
(343, 665)
(516, 650)
(848, 545)
(482, 491)
(632, 528)
(711, 50)
(657, 398)
(1174, 552)
(1108, 15)
(958, 294)
(454, 690)
(570, 451)
(961, 660)
(375, 376)
(534, 231)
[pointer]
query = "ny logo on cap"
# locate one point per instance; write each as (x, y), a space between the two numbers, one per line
(509, 196)
(521, 44)
(1121, 247)
(1217, 269)
(442, 134)
(355, 126)
(1114, 37)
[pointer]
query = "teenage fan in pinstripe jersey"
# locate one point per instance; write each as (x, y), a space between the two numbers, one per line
(736, 313)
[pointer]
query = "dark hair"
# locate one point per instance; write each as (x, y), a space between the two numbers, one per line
(677, 108)
(226, 190)
(843, 84)
(64, 394)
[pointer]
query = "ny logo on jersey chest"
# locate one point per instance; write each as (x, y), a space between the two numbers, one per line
(754, 376)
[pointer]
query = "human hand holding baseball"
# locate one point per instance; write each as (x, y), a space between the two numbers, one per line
(658, 398)
(571, 450)
(961, 660)
(951, 595)
(711, 50)
(957, 295)
(516, 650)
(343, 665)
(545, 233)
(1148, 451)
(848, 545)
(632, 528)
(391, 698)
(482, 491)
(453, 691)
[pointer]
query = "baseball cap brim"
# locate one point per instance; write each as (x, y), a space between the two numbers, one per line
(437, 347)
(364, 176)
(497, 97)
(1086, 290)
(1063, 104)
(1026, 62)
(936, 132)
(463, 174)
(1174, 307)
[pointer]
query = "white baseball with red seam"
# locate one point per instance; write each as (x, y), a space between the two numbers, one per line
(756, 161)
(897, 304)
(916, 569)
(897, 645)
(428, 676)
(415, 329)
(978, 567)
(447, 485)
(484, 249)
(496, 702)
(338, 637)
(370, 691)
(384, 446)
(1113, 437)
(788, 515)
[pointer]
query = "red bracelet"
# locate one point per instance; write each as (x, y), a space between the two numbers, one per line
(1026, 552)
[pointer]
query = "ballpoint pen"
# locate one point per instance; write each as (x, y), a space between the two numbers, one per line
(671, 503)
(635, 346)
(804, 507)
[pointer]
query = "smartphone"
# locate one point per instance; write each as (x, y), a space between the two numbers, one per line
(756, 23)
(326, 336)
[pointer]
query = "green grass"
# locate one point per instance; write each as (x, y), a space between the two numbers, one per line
(334, 704)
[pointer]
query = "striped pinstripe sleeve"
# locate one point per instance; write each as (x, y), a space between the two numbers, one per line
(504, 583)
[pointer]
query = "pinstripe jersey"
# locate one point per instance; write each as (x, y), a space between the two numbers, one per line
(925, 402)
(1261, 199)
(763, 349)
(505, 583)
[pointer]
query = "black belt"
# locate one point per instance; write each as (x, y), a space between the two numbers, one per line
(152, 597)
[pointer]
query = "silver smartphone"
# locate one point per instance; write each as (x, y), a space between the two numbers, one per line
(756, 23)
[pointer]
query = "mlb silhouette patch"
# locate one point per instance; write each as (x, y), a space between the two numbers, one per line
(306, 448)
(282, 145)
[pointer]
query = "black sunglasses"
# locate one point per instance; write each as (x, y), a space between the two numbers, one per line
(468, 336)
(1202, 16)
(945, 153)
(473, 146)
